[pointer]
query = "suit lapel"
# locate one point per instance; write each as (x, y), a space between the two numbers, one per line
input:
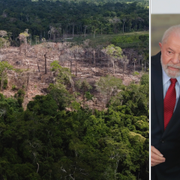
(158, 89)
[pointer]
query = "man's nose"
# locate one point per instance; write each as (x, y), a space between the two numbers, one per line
(175, 59)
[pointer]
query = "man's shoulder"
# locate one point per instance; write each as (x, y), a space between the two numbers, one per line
(156, 59)
(156, 63)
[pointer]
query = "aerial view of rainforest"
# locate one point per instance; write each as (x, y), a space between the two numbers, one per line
(74, 90)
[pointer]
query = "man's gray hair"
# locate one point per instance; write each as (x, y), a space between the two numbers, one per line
(168, 32)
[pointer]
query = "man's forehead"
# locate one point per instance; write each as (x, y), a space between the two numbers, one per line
(172, 36)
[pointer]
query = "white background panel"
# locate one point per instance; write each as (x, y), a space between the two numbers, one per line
(165, 6)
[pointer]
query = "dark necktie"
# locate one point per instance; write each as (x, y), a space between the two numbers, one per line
(169, 102)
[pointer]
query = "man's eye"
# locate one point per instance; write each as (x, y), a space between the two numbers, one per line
(170, 52)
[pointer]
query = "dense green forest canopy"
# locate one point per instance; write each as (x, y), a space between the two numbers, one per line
(97, 1)
(54, 20)
(47, 141)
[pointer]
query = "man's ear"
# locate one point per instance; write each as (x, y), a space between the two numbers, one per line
(160, 45)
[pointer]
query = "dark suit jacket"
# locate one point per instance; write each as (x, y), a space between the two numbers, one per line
(166, 141)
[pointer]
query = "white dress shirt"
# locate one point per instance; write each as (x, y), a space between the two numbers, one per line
(167, 83)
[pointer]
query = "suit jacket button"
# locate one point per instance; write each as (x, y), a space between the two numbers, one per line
(162, 141)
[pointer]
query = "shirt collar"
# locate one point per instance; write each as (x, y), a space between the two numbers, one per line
(166, 78)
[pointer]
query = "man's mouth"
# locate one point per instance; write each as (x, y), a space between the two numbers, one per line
(173, 68)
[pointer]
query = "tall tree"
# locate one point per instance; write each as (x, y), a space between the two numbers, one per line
(114, 53)
(109, 86)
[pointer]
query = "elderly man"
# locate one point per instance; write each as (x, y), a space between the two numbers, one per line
(165, 108)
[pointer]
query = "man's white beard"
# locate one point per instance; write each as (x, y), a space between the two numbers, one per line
(169, 72)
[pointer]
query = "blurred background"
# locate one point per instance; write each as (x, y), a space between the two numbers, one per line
(159, 24)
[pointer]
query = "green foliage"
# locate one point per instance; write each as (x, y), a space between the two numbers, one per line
(75, 105)
(25, 34)
(144, 38)
(4, 42)
(126, 41)
(134, 97)
(14, 87)
(18, 70)
(88, 95)
(60, 94)
(83, 86)
(43, 105)
(20, 96)
(136, 73)
(95, 17)
(144, 79)
(64, 76)
(46, 141)
(114, 51)
(4, 65)
(20, 93)
(5, 83)
(109, 86)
